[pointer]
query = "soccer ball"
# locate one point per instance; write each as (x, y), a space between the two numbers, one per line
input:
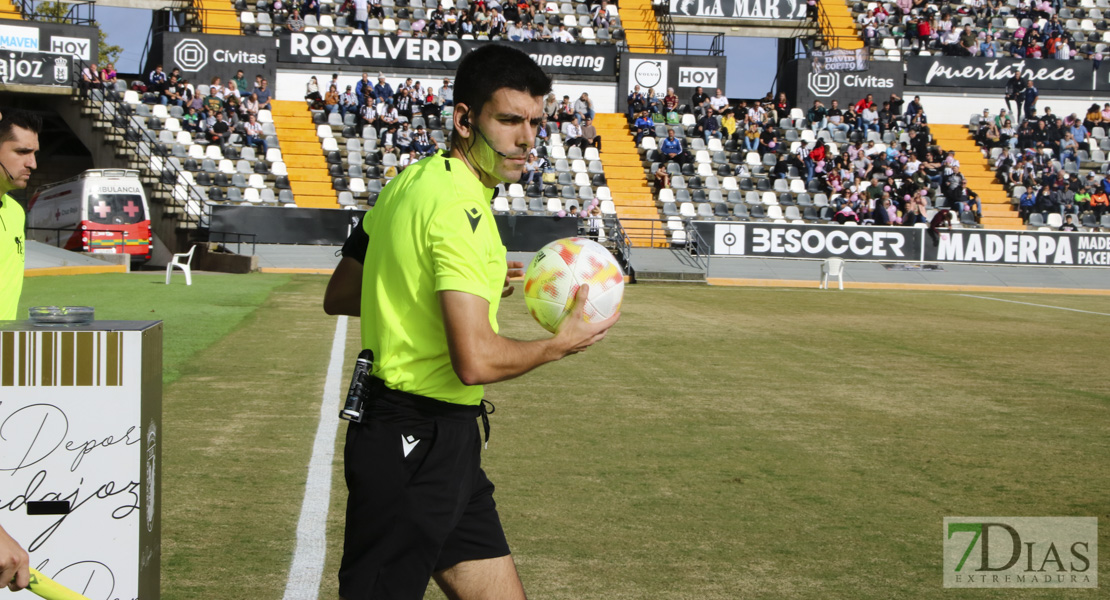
(557, 271)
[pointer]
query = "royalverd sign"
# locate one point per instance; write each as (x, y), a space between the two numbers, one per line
(398, 54)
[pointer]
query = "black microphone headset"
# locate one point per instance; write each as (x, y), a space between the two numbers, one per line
(465, 122)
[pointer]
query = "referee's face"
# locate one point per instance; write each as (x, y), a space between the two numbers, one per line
(507, 125)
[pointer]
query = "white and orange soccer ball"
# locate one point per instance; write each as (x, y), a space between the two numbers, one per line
(557, 271)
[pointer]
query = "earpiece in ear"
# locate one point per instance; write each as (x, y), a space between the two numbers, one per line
(465, 121)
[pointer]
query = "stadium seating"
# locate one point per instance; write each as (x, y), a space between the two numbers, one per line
(583, 21)
(1083, 24)
(731, 183)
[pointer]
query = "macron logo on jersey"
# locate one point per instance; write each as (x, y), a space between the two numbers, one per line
(474, 215)
(408, 442)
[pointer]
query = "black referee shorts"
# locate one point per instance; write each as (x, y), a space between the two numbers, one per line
(418, 501)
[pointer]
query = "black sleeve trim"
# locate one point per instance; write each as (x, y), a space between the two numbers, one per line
(357, 243)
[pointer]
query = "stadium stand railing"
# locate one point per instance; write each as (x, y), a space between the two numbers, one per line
(171, 185)
(76, 12)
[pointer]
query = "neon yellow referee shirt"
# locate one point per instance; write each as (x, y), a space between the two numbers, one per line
(431, 230)
(12, 256)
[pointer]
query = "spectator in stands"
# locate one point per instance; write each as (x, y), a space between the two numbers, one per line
(364, 89)
(421, 143)
(868, 119)
(708, 126)
(404, 138)
(348, 102)
(219, 130)
(815, 160)
(670, 101)
(213, 105)
(589, 133)
(817, 116)
(157, 76)
(566, 111)
(383, 91)
(90, 79)
(368, 115)
(533, 170)
(173, 93)
(719, 101)
(249, 106)
(564, 36)
(1068, 225)
(699, 101)
(312, 94)
(728, 123)
(914, 109)
(867, 102)
(672, 150)
(1015, 89)
(190, 121)
(572, 134)
(835, 118)
(1099, 202)
(551, 107)
(403, 104)
(387, 116)
(1027, 203)
(253, 134)
(644, 127)
(1029, 99)
(584, 107)
(331, 101)
(661, 178)
(636, 102)
(262, 93)
(108, 76)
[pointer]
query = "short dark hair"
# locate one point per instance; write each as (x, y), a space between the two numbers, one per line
(493, 67)
(14, 117)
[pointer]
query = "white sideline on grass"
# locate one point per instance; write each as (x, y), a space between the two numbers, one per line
(1087, 312)
(308, 558)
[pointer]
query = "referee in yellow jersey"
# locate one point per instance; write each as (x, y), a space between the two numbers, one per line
(425, 273)
(19, 141)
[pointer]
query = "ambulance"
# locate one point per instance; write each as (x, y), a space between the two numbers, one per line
(100, 211)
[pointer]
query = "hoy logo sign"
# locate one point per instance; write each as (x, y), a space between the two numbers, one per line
(695, 76)
(1020, 552)
(78, 47)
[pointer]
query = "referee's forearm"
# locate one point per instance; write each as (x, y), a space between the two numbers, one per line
(500, 358)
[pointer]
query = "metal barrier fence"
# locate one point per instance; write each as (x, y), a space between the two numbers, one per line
(74, 12)
(139, 142)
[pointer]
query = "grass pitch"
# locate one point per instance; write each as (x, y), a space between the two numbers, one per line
(720, 443)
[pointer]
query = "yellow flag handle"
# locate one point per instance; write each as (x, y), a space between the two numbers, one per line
(50, 589)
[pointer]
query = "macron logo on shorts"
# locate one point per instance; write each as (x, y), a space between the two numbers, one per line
(408, 442)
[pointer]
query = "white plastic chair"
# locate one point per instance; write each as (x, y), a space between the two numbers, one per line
(833, 267)
(181, 261)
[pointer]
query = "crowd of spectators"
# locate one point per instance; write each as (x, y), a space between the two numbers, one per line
(390, 112)
(867, 180)
(522, 21)
(1039, 160)
(989, 28)
(212, 111)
